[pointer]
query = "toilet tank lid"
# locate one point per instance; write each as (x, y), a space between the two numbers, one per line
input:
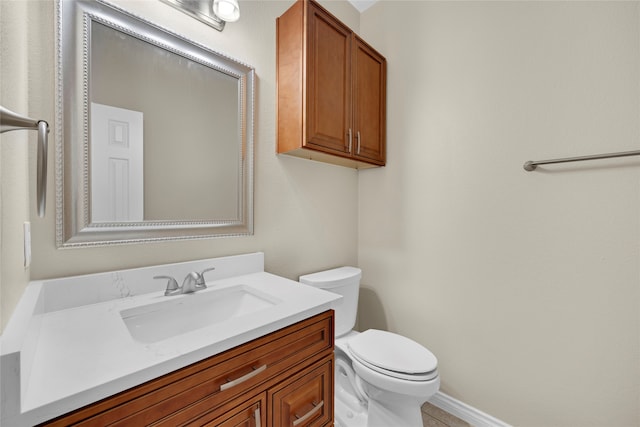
(331, 278)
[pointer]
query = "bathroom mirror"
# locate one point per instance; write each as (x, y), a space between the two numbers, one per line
(154, 132)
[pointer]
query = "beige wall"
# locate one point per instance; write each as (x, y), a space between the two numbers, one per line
(17, 152)
(525, 285)
(305, 212)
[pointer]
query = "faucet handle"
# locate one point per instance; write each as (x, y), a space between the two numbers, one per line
(201, 284)
(207, 269)
(172, 284)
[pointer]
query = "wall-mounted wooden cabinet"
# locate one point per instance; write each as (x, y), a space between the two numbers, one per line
(331, 90)
(282, 379)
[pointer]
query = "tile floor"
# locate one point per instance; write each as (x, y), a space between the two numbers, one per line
(432, 416)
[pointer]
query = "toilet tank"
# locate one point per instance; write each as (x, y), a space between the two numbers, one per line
(346, 282)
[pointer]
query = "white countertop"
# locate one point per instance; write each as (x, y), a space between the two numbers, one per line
(77, 354)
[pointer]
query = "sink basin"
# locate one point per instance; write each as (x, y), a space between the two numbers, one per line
(185, 313)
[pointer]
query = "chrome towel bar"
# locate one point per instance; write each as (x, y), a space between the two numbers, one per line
(531, 165)
(12, 121)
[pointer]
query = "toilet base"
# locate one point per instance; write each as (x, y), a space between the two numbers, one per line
(348, 416)
(375, 415)
(385, 414)
(350, 406)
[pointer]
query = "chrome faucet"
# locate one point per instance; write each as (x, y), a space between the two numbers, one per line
(190, 283)
(193, 282)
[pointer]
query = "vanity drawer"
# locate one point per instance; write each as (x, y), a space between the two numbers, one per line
(182, 396)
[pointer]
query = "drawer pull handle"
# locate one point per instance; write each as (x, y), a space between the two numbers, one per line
(243, 378)
(256, 415)
(309, 414)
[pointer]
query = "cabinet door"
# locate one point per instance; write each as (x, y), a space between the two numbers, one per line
(369, 80)
(306, 399)
(328, 83)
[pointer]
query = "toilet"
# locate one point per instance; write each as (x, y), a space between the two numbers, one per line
(381, 378)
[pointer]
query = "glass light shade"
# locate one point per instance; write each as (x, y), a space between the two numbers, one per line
(227, 10)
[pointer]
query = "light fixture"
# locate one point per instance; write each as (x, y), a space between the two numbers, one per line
(227, 10)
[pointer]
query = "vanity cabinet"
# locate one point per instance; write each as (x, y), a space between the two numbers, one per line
(282, 379)
(331, 90)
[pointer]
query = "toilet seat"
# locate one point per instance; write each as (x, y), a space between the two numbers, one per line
(393, 355)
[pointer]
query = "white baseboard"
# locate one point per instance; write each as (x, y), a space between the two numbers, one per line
(465, 412)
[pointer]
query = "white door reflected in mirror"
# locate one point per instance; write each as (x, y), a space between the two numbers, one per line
(117, 164)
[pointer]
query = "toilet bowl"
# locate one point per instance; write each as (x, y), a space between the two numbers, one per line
(381, 378)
